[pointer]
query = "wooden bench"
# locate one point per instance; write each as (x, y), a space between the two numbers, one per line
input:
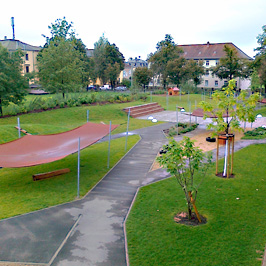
(50, 174)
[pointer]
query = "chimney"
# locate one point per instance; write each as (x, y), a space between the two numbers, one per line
(208, 43)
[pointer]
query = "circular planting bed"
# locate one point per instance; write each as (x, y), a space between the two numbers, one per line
(182, 218)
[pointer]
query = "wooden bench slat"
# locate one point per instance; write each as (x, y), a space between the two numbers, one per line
(50, 174)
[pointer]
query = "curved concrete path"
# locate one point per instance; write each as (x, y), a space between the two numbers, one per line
(88, 231)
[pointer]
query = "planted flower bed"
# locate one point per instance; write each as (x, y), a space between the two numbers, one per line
(182, 129)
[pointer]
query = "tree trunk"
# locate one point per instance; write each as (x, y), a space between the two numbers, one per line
(189, 211)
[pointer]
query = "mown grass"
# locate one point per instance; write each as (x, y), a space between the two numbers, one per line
(235, 209)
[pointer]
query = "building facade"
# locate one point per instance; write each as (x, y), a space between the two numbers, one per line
(210, 54)
(30, 53)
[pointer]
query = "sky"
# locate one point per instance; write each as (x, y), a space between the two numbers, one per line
(136, 26)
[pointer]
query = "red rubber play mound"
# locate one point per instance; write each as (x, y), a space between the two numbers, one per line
(33, 150)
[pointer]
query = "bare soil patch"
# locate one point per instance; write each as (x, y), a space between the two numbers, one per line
(182, 218)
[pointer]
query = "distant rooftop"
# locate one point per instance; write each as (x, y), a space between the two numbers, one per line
(209, 51)
(13, 45)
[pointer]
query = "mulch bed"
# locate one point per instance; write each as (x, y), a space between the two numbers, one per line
(221, 175)
(182, 218)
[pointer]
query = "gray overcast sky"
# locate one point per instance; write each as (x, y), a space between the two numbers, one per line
(136, 26)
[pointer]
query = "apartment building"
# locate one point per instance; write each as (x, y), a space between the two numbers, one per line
(30, 53)
(211, 53)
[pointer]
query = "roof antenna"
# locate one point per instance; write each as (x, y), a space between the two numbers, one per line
(13, 27)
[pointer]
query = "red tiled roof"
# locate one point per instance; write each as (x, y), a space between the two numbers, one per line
(209, 51)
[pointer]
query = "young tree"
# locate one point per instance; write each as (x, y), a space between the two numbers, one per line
(60, 67)
(186, 162)
(142, 76)
(166, 50)
(231, 66)
(12, 84)
(235, 110)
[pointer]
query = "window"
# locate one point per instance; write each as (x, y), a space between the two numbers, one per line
(207, 73)
(27, 57)
(225, 83)
(27, 69)
(206, 83)
(217, 62)
(207, 62)
(216, 83)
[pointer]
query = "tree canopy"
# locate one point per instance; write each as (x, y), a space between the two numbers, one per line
(260, 59)
(142, 76)
(236, 109)
(60, 66)
(108, 61)
(12, 84)
(231, 66)
(166, 51)
(63, 62)
(169, 63)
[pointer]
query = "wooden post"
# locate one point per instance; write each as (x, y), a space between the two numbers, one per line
(228, 155)
(194, 206)
(217, 154)
(232, 157)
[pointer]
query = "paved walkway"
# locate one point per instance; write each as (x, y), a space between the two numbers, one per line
(88, 231)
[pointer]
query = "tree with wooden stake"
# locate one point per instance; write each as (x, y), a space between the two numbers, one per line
(227, 112)
(182, 160)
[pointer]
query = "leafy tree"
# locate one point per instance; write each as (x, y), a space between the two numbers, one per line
(255, 81)
(12, 84)
(194, 70)
(60, 29)
(183, 160)
(166, 50)
(109, 61)
(260, 59)
(60, 66)
(142, 76)
(236, 109)
(176, 70)
(231, 66)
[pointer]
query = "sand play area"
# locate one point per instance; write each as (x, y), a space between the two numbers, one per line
(200, 141)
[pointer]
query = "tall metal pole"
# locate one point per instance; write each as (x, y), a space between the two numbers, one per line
(78, 166)
(128, 115)
(109, 145)
(190, 114)
(13, 27)
(177, 119)
(151, 96)
(88, 112)
(18, 127)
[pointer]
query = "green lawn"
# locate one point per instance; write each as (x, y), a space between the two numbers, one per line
(235, 209)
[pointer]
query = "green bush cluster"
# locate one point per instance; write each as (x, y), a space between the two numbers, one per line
(71, 100)
(259, 131)
(185, 127)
